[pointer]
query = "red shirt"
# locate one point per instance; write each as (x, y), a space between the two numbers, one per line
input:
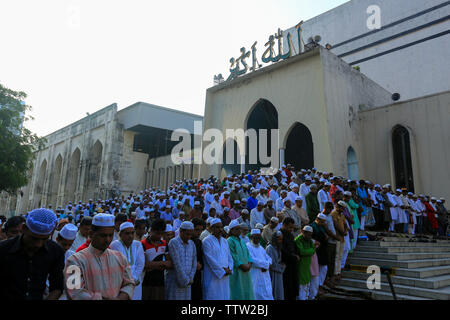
(84, 245)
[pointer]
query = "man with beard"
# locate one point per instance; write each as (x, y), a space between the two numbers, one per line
(105, 273)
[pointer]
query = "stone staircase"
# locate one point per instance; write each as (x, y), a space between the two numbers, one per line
(422, 269)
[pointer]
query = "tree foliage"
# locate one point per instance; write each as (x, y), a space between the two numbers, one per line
(17, 144)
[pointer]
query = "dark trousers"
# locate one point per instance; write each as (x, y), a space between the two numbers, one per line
(290, 282)
(419, 225)
(379, 219)
(331, 259)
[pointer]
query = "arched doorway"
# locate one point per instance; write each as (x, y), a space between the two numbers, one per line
(402, 158)
(94, 168)
(55, 181)
(352, 164)
(230, 158)
(299, 147)
(263, 116)
(72, 178)
(39, 189)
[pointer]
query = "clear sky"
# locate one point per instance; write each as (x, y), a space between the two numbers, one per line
(78, 56)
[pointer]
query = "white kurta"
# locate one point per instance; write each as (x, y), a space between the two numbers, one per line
(135, 252)
(262, 285)
(216, 285)
(394, 211)
(256, 217)
(323, 197)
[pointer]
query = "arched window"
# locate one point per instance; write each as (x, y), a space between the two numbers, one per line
(402, 158)
(352, 164)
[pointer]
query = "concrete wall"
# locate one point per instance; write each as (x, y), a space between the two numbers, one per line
(132, 167)
(418, 70)
(345, 91)
(295, 88)
(427, 120)
(101, 127)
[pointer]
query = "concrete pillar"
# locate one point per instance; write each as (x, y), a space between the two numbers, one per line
(282, 150)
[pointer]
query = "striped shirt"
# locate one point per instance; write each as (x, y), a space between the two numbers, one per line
(103, 274)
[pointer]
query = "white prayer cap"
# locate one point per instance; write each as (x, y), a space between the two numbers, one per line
(103, 220)
(328, 184)
(342, 203)
(347, 193)
(433, 198)
(227, 229)
(386, 186)
(234, 223)
(442, 199)
(237, 202)
(244, 211)
(308, 178)
(294, 186)
(322, 216)
(274, 219)
(238, 185)
(187, 225)
(259, 226)
(298, 198)
(126, 225)
(244, 200)
(69, 232)
(169, 228)
(308, 228)
(215, 221)
(439, 201)
(283, 166)
(196, 203)
(255, 231)
(226, 209)
(377, 186)
(226, 193)
(398, 190)
(367, 182)
(410, 193)
(168, 206)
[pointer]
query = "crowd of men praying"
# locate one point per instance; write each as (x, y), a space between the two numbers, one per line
(245, 237)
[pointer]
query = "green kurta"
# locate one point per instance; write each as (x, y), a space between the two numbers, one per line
(352, 206)
(306, 250)
(312, 206)
(241, 287)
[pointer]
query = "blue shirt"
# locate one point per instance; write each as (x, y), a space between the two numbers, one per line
(251, 203)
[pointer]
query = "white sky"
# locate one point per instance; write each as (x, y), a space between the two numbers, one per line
(78, 56)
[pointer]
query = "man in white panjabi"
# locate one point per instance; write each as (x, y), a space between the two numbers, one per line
(262, 285)
(218, 264)
(133, 251)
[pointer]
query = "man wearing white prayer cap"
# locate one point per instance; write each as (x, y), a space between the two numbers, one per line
(134, 252)
(106, 272)
(66, 237)
(270, 229)
(262, 284)
(218, 264)
(182, 251)
(240, 280)
(306, 249)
